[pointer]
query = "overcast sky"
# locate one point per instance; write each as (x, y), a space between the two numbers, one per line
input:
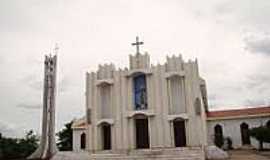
(231, 40)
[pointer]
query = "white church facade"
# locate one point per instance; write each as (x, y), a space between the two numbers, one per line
(146, 108)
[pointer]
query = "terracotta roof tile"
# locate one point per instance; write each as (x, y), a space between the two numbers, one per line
(239, 112)
(79, 123)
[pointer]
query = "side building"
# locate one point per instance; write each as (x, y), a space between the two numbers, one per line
(79, 135)
(235, 124)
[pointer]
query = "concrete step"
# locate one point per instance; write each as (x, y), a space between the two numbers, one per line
(150, 158)
(154, 154)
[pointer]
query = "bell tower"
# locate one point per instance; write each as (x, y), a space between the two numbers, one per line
(47, 147)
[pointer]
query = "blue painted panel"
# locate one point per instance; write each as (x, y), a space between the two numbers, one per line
(140, 94)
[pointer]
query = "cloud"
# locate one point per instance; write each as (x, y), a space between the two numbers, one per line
(257, 79)
(33, 81)
(258, 44)
(1, 59)
(64, 84)
(254, 102)
(36, 83)
(257, 88)
(7, 129)
(18, 16)
(29, 106)
(212, 97)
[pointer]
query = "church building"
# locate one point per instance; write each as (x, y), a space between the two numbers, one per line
(157, 112)
(146, 110)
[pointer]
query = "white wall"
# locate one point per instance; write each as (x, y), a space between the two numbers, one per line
(231, 128)
(76, 145)
(123, 114)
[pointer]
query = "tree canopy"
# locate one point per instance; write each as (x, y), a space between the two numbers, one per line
(11, 148)
(262, 134)
(65, 138)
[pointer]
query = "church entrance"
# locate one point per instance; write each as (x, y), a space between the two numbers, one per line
(142, 134)
(179, 133)
(245, 134)
(106, 133)
(83, 140)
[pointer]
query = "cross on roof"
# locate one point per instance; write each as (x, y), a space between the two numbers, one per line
(137, 44)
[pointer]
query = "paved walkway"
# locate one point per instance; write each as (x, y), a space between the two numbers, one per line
(246, 155)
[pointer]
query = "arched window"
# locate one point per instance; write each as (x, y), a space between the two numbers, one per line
(140, 92)
(245, 134)
(218, 135)
(218, 129)
(176, 93)
(105, 100)
(83, 140)
(268, 124)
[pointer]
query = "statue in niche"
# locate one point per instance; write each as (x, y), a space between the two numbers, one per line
(143, 98)
(140, 94)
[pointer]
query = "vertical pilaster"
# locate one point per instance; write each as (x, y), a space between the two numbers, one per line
(165, 109)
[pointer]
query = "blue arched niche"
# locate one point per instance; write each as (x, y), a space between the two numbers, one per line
(140, 92)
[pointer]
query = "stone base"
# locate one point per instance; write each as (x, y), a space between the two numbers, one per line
(185, 153)
(71, 156)
(215, 153)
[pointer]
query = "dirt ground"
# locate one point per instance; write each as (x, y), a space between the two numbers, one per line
(248, 155)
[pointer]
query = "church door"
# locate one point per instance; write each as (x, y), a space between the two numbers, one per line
(142, 135)
(106, 137)
(83, 140)
(179, 133)
(245, 134)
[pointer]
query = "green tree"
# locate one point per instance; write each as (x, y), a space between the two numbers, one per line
(261, 134)
(11, 148)
(28, 144)
(65, 138)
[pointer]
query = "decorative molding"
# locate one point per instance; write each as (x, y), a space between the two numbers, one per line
(148, 113)
(107, 120)
(175, 116)
(79, 127)
(104, 81)
(135, 72)
(176, 73)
